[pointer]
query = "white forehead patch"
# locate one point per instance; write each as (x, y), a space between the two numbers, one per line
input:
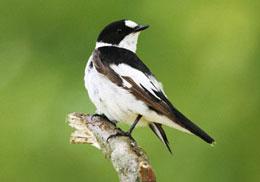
(130, 23)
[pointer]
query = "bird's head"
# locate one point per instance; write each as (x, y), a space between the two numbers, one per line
(122, 33)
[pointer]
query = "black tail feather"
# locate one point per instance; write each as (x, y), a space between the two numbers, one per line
(160, 133)
(184, 122)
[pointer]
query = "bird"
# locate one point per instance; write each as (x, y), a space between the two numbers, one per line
(123, 88)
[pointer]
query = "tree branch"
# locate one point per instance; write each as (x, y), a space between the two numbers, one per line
(128, 159)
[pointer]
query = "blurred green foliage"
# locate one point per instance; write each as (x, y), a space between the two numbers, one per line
(205, 52)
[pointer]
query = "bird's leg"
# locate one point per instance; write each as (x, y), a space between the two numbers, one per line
(129, 132)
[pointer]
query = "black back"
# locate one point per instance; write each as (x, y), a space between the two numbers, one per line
(114, 32)
(116, 55)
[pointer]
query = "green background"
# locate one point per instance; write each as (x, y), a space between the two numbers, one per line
(205, 52)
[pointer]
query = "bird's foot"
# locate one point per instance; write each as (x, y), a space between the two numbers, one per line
(121, 133)
(104, 117)
(99, 115)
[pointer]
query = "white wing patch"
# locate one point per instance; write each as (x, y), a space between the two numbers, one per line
(148, 82)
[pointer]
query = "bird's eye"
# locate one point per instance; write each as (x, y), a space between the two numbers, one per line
(119, 30)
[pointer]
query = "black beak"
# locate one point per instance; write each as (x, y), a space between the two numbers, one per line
(139, 28)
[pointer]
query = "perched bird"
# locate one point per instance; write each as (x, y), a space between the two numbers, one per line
(124, 89)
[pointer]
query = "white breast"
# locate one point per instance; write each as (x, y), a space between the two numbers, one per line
(113, 101)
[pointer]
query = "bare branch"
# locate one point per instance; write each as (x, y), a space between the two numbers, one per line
(129, 160)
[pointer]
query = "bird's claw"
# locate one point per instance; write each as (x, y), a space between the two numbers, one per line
(121, 133)
(102, 116)
(95, 115)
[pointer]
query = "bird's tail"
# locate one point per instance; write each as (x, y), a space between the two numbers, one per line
(187, 124)
(160, 133)
(182, 122)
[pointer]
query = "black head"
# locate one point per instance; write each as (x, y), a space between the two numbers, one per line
(118, 30)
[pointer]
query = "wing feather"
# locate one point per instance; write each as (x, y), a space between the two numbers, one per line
(145, 87)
